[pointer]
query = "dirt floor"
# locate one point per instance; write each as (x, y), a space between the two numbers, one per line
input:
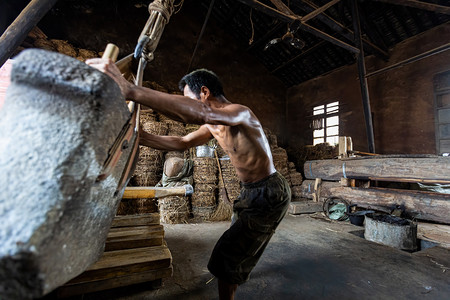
(309, 257)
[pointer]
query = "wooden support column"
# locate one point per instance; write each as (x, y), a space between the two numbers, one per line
(362, 78)
(16, 33)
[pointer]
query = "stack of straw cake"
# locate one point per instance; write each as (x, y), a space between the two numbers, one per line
(205, 187)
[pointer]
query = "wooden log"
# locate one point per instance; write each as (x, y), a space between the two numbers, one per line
(421, 205)
(135, 220)
(429, 168)
(436, 233)
(16, 33)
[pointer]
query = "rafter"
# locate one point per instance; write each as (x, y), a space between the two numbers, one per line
(319, 10)
(342, 30)
(442, 9)
(290, 18)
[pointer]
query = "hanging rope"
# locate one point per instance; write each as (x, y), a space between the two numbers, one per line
(253, 30)
(178, 6)
(201, 34)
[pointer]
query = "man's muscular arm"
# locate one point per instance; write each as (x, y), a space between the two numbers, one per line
(175, 143)
(176, 107)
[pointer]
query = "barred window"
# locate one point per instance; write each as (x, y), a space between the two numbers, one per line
(325, 123)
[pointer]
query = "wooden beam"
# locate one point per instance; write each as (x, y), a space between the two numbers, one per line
(442, 9)
(290, 18)
(282, 7)
(16, 33)
(362, 78)
(341, 29)
(402, 63)
(319, 10)
(417, 169)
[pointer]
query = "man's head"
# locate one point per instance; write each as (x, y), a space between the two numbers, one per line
(202, 77)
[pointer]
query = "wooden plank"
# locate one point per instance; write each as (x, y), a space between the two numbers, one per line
(304, 207)
(134, 237)
(135, 220)
(122, 262)
(436, 233)
(72, 289)
(436, 168)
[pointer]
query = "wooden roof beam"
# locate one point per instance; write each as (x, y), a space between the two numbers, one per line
(342, 30)
(291, 18)
(442, 9)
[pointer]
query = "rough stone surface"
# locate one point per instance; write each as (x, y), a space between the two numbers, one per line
(59, 120)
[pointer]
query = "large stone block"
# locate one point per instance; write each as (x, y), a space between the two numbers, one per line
(59, 120)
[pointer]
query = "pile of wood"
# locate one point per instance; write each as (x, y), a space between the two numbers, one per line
(205, 187)
(135, 252)
(377, 183)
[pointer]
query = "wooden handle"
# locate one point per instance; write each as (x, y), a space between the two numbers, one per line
(111, 52)
(141, 192)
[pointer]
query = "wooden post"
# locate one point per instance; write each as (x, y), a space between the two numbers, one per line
(16, 33)
(317, 186)
(362, 78)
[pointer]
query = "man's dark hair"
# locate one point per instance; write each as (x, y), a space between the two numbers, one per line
(202, 77)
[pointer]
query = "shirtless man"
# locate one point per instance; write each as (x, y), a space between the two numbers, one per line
(265, 194)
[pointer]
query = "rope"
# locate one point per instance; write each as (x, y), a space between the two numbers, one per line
(164, 7)
(201, 34)
(178, 6)
(253, 30)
